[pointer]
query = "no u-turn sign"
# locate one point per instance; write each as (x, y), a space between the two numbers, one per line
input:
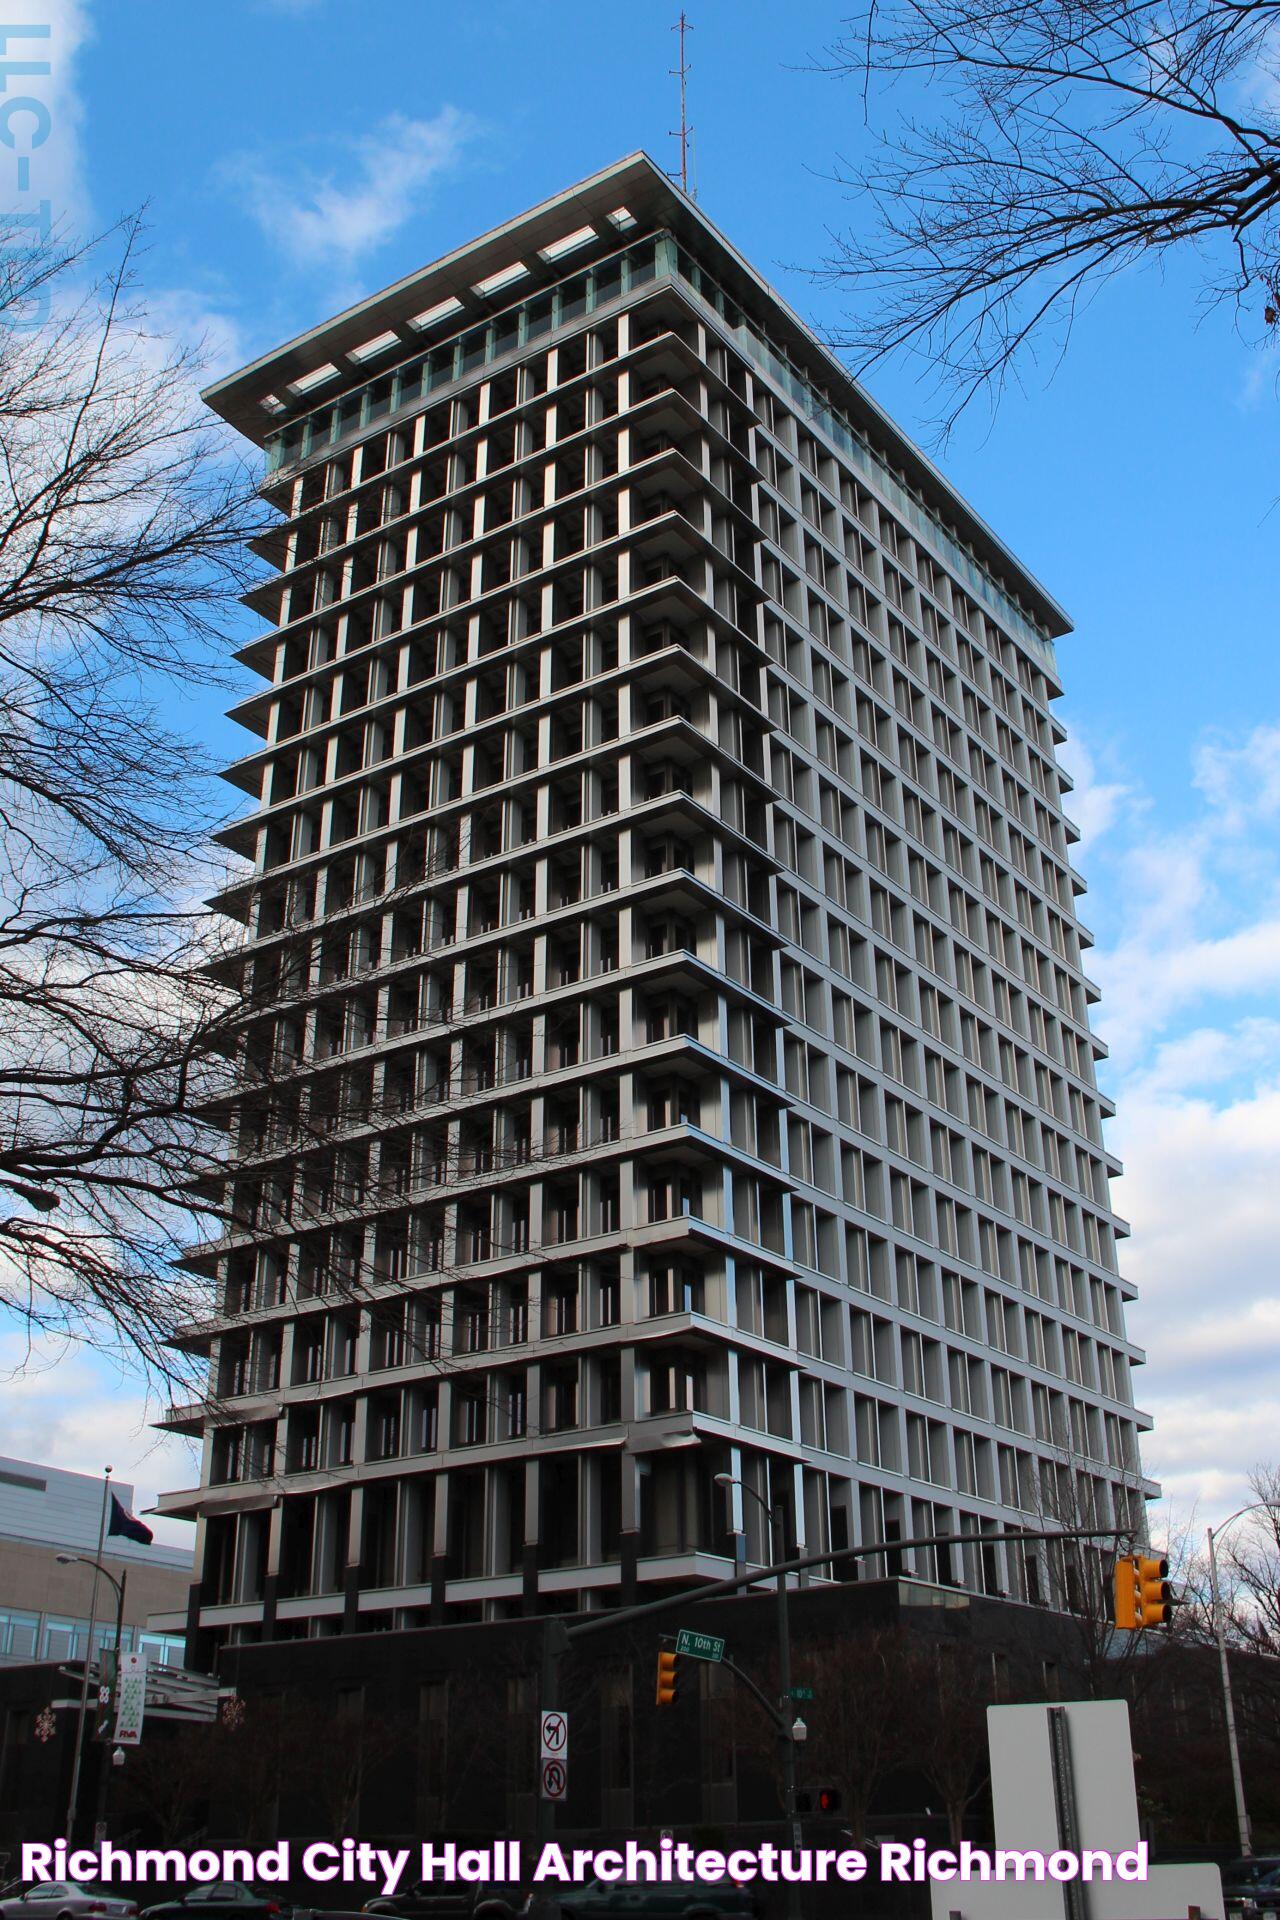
(553, 1752)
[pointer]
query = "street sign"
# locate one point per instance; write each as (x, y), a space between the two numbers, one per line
(802, 1693)
(699, 1646)
(554, 1741)
(555, 1779)
(131, 1704)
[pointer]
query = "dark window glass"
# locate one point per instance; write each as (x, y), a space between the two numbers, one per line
(440, 367)
(608, 281)
(409, 383)
(573, 299)
(319, 429)
(537, 316)
(473, 348)
(640, 264)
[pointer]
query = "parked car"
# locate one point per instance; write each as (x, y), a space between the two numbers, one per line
(1251, 1887)
(453, 1900)
(218, 1900)
(66, 1900)
(679, 1900)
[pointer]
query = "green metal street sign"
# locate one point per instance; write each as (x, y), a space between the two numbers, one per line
(802, 1693)
(699, 1646)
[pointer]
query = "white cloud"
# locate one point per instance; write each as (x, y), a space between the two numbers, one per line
(55, 163)
(1188, 977)
(1149, 977)
(1203, 1449)
(1242, 783)
(64, 1408)
(375, 184)
(1260, 380)
(1197, 910)
(188, 320)
(1096, 804)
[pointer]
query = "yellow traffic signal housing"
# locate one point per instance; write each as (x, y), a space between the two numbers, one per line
(668, 1678)
(1127, 1592)
(1154, 1597)
(1143, 1598)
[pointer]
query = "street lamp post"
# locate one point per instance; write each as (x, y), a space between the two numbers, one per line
(777, 1519)
(74, 1794)
(87, 1560)
(1224, 1665)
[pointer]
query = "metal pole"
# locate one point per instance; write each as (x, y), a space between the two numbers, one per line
(84, 1683)
(778, 1517)
(555, 1642)
(775, 1514)
(1228, 1705)
(104, 1769)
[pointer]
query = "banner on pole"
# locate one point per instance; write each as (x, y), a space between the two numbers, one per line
(131, 1699)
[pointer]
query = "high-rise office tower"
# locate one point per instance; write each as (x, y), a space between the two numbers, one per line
(668, 1051)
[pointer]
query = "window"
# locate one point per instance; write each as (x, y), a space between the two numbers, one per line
(63, 1639)
(18, 1634)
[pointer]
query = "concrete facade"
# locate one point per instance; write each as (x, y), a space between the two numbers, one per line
(669, 1048)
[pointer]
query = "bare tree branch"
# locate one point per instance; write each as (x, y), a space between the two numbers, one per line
(1073, 139)
(123, 524)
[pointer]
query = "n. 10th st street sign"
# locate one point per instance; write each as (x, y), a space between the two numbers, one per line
(699, 1646)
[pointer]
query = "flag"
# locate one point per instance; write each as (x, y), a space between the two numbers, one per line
(122, 1521)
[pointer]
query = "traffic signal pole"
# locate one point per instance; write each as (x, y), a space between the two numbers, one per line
(555, 1643)
(558, 1637)
(808, 1562)
(777, 1519)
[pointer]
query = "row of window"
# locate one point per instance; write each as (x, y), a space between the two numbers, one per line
(39, 1636)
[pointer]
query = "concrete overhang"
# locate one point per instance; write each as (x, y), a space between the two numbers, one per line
(538, 247)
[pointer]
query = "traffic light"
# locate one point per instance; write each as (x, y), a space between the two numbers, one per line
(668, 1689)
(1143, 1598)
(1154, 1597)
(1127, 1592)
(828, 1799)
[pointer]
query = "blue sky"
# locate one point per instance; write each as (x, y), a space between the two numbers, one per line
(297, 153)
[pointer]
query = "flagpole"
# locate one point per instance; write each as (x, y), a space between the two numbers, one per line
(84, 1682)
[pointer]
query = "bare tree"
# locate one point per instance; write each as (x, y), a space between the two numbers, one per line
(1081, 1572)
(123, 524)
(1057, 143)
(856, 1728)
(1254, 1564)
(949, 1688)
(329, 1757)
(169, 1778)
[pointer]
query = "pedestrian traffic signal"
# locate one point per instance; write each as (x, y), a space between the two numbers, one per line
(828, 1800)
(1127, 1592)
(668, 1689)
(1154, 1596)
(1143, 1598)
(818, 1800)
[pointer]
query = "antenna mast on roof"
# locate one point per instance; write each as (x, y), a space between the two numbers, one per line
(683, 132)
